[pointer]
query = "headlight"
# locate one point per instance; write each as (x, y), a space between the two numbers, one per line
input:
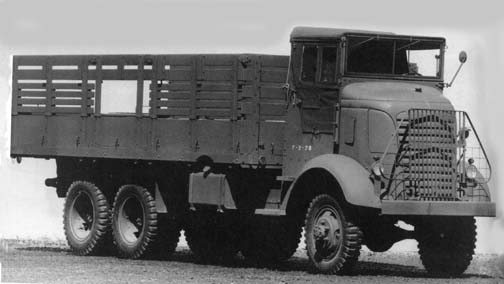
(471, 171)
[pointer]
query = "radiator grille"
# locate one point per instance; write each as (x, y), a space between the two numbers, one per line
(435, 149)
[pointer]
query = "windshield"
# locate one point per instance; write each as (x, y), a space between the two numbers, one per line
(373, 55)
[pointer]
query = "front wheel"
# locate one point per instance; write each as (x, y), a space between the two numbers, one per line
(446, 244)
(333, 243)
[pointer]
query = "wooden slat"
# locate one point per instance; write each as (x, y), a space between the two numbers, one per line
(179, 75)
(218, 75)
(272, 109)
(31, 101)
(204, 86)
(174, 103)
(22, 94)
(175, 95)
(214, 95)
(31, 109)
(58, 86)
(173, 112)
(213, 112)
(213, 104)
(69, 110)
(73, 94)
(31, 74)
(71, 102)
(172, 87)
(272, 93)
(273, 76)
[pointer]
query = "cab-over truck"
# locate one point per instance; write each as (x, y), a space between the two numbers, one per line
(347, 137)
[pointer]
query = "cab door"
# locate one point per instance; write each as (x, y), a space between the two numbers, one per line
(316, 79)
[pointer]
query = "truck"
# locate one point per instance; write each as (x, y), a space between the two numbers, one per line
(347, 139)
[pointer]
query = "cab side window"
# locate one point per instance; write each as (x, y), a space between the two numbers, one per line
(328, 69)
(309, 68)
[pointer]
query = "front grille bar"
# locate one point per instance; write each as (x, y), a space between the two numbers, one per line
(433, 154)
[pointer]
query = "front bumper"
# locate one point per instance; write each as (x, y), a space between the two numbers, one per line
(440, 208)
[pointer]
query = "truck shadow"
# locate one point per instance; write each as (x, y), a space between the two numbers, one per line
(294, 264)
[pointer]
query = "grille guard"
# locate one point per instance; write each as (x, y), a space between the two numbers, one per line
(434, 149)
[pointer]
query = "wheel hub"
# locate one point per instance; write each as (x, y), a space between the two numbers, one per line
(327, 232)
(81, 217)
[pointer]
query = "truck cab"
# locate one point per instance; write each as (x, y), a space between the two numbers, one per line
(377, 98)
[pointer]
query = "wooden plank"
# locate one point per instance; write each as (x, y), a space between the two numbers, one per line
(72, 102)
(24, 94)
(213, 104)
(272, 109)
(218, 75)
(140, 88)
(32, 101)
(30, 74)
(208, 86)
(29, 60)
(172, 87)
(273, 93)
(175, 95)
(179, 75)
(174, 103)
(15, 87)
(214, 95)
(73, 94)
(212, 113)
(173, 112)
(69, 110)
(273, 76)
(31, 109)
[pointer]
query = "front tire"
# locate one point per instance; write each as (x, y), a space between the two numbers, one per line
(333, 242)
(446, 244)
(86, 218)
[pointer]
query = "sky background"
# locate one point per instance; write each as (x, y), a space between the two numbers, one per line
(29, 209)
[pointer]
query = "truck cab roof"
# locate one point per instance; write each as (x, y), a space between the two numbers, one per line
(322, 33)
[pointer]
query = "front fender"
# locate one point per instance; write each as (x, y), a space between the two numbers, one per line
(352, 177)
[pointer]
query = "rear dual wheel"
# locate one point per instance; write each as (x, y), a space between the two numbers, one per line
(86, 219)
(138, 230)
(212, 237)
(270, 239)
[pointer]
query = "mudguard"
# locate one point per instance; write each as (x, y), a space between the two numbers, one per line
(352, 177)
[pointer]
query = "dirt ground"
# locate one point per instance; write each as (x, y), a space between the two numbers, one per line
(34, 262)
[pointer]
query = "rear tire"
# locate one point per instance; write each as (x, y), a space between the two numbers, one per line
(134, 221)
(212, 239)
(270, 239)
(332, 242)
(86, 219)
(446, 244)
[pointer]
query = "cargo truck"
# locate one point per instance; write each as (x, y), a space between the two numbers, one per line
(346, 138)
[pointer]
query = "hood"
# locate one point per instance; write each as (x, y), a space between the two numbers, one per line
(393, 97)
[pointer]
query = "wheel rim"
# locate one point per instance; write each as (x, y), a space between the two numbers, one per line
(130, 220)
(81, 216)
(327, 234)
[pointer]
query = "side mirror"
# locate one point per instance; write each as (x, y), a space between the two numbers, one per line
(462, 56)
(462, 59)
